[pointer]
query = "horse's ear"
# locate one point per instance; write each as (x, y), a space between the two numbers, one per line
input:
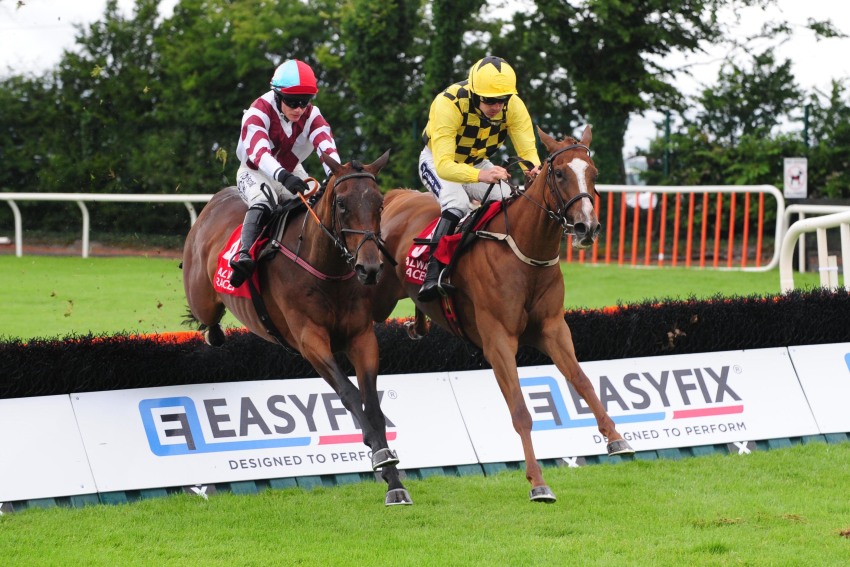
(330, 162)
(586, 136)
(547, 140)
(379, 163)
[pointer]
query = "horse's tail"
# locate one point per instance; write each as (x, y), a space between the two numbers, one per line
(189, 320)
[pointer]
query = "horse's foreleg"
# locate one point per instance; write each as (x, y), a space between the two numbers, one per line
(500, 351)
(315, 347)
(363, 354)
(362, 351)
(557, 342)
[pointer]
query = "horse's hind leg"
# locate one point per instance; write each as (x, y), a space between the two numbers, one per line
(419, 327)
(557, 342)
(213, 333)
(205, 306)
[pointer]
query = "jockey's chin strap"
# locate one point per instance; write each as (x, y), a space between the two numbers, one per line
(337, 240)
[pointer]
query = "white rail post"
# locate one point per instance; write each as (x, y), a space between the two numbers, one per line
(845, 254)
(86, 226)
(823, 259)
(820, 224)
(16, 213)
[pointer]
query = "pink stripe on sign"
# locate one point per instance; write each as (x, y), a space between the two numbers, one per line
(353, 438)
(703, 412)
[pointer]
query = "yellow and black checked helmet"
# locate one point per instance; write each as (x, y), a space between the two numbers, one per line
(492, 77)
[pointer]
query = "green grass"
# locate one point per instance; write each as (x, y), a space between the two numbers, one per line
(779, 507)
(770, 508)
(49, 296)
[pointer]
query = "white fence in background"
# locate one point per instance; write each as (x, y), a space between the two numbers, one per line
(680, 207)
(82, 198)
(788, 234)
(826, 264)
(802, 212)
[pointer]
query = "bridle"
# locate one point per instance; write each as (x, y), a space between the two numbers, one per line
(559, 215)
(337, 232)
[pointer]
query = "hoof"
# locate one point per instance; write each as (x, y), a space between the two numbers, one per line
(620, 447)
(398, 496)
(213, 336)
(542, 494)
(384, 458)
(410, 327)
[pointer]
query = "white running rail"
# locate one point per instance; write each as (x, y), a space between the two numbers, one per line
(819, 225)
(82, 198)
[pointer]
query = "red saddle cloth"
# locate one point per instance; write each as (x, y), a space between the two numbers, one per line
(416, 261)
(221, 281)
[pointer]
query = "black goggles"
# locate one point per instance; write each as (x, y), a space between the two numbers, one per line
(495, 99)
(296, 101)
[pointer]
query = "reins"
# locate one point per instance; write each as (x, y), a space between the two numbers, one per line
(559, 215)
(368, 235)
(335, 234)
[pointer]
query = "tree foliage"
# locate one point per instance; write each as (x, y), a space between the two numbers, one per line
(740, 136)
(145, 104)
(748, 103)
(380, 65)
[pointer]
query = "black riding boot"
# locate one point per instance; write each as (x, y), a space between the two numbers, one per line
(241, 262)
(429, 289)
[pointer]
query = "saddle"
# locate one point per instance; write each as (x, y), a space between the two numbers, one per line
(266, 246)
(261, 250)
(451, 246)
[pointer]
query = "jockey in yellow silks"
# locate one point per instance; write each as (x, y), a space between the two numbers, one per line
(467, 123)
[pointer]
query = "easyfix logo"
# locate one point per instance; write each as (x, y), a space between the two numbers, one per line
(174, 426)
(636, 397)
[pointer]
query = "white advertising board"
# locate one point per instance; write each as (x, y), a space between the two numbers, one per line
(200, 434)
(824, 372)
(656, 403)
(41, 453)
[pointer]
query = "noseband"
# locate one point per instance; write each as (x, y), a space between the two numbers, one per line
(560, 214)
(336, 234)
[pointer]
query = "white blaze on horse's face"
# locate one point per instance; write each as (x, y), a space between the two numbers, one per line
(579, 167)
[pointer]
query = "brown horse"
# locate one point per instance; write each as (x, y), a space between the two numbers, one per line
(509, 288)
(314, 302)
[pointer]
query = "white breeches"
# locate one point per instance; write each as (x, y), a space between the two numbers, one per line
(453, 195)
(257, 189)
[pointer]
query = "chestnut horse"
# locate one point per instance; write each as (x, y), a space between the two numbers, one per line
(316, 304)
(510, 289)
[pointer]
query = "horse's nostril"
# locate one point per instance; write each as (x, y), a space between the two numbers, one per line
(368, 275)
(580, 229)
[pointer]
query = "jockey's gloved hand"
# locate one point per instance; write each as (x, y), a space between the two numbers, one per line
(293, 183)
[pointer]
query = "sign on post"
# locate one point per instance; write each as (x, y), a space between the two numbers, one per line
(796, 182)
